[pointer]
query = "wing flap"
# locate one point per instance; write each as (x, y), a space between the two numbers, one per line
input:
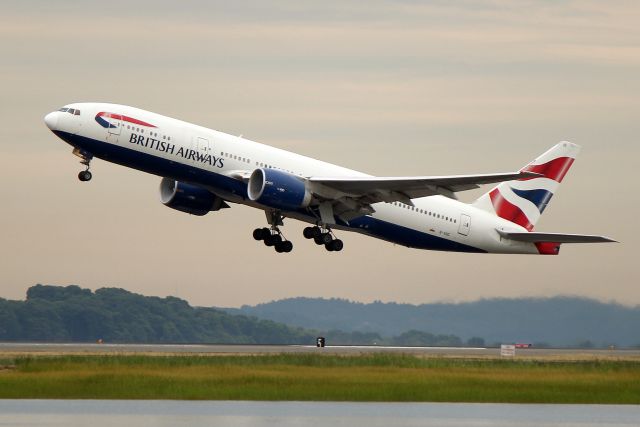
(535, 237)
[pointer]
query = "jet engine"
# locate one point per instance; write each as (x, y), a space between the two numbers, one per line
(279, 190)
(189, 198)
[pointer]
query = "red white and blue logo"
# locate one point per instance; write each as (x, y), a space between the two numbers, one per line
(109, 120)
(523, 201)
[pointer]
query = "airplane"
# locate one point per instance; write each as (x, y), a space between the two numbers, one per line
(204, 170)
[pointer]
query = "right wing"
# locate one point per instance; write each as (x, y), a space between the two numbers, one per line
(353, 197)
(535, 237)
(414, 187)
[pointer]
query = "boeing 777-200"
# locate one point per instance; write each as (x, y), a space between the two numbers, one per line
(204, 170)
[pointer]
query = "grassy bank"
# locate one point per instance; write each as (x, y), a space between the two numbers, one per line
(321, 377)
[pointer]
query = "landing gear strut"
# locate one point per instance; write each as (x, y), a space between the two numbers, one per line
(273, 236)
(323, 236)
(84, 175)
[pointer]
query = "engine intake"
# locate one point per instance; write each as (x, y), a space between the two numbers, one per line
(189, 198)
(278, 189)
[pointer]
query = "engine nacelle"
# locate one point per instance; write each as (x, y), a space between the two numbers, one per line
(189, 198)
(278, 189)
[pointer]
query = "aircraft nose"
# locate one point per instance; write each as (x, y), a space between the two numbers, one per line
(51, 120)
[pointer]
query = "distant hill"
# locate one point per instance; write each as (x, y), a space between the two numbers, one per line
(58, 314)
(558, 321)
(73, 314)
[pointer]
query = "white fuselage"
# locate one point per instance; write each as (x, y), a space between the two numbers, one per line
(218, 162)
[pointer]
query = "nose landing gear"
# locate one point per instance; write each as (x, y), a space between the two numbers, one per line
(84, 175)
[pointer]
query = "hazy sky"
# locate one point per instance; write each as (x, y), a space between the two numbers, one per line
(389, 88)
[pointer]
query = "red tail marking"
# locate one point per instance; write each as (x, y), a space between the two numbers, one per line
(508, 210)
(555, 169)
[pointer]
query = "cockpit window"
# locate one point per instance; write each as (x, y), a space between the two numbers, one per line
(73, 111)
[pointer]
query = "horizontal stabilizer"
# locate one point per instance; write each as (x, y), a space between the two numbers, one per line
(534, 237)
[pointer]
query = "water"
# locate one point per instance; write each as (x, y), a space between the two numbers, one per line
(99, 413)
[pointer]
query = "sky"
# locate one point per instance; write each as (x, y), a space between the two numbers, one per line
(391, 88)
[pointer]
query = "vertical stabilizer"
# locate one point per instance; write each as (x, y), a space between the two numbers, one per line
(523, 201)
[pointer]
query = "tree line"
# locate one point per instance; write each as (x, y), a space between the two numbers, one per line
(73, 314)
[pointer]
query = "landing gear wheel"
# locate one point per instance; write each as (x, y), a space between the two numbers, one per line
(285, 246)
(326, 238)
(84, 176)
(258, 234)
(270, 240)
(336, 245)
(308, 232)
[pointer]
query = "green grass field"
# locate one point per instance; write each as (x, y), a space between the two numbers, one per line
(320, 377)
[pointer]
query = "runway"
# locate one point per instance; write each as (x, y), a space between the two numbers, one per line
(221, 349)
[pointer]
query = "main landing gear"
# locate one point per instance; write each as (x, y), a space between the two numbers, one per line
(273, 237)
(323, 236)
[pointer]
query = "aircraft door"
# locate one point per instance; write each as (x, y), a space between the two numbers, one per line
(114, 128)
(202, 146)
(465, 224)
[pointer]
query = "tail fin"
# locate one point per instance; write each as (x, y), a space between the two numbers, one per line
(523, 201)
